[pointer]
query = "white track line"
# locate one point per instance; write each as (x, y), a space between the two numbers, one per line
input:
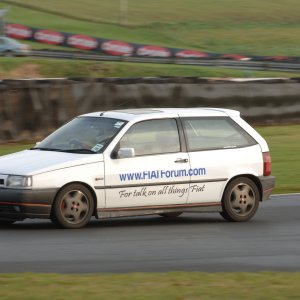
(280, 195)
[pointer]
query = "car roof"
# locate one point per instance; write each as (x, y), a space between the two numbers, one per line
(157, 113)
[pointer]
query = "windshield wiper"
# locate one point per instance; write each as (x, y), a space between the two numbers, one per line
(82, 151)
(45, 149)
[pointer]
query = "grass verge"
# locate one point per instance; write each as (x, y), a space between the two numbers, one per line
(175, 285)
(16, 68)
(11, 148)
(284, 144)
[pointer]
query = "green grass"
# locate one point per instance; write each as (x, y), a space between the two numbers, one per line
(146, 12)
(284, 144)
(52, 68)
(175, 285)
(10, 148)
(264, 27)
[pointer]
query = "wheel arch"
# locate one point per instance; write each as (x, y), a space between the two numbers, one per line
(85, 185)
(251, 177)
(8, 52)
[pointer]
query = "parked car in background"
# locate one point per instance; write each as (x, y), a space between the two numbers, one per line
(11, 47)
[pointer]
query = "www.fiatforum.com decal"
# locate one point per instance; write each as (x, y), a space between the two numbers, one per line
(162, 174)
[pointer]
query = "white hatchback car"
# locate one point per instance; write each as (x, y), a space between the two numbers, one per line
(139, 162)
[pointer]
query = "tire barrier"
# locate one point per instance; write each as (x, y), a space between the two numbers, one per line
(111, 47)
(97, 45)
(30, 109)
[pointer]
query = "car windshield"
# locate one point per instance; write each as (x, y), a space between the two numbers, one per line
(82, 135)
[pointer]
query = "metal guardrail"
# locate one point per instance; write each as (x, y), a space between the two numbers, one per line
(245, 65)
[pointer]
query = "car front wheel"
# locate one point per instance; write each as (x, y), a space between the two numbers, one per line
(73, 207)
(240, 200)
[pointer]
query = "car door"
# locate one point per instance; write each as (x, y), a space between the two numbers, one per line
(157, 173)
(218, 150)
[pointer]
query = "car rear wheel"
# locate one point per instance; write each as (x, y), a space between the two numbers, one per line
(73, 207)
(240, 200)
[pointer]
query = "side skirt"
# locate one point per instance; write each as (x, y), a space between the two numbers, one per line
(105, 213)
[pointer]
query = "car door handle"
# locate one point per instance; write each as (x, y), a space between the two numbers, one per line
(181, 160)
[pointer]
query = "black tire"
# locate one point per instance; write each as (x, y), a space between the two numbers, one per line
(171, 215)
(73, 207)
(240, 200)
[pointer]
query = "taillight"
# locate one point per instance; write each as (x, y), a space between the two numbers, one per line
(267, 163)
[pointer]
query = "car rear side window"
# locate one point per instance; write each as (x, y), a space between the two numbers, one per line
(215, 133)
(152, 137)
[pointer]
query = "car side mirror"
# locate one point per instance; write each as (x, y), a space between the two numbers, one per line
(126, 153)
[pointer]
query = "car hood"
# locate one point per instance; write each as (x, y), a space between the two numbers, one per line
(32, 162)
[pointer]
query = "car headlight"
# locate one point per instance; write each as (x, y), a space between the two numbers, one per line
(18, 181)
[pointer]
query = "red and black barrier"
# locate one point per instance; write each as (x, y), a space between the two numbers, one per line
(121, 48)
(105, 46)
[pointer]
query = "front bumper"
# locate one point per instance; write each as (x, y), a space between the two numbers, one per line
(267, 184)
(20, 204)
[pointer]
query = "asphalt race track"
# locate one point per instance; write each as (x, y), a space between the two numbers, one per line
(192, 242)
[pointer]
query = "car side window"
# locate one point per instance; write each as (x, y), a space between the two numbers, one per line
(215, 133)
(152, 137)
